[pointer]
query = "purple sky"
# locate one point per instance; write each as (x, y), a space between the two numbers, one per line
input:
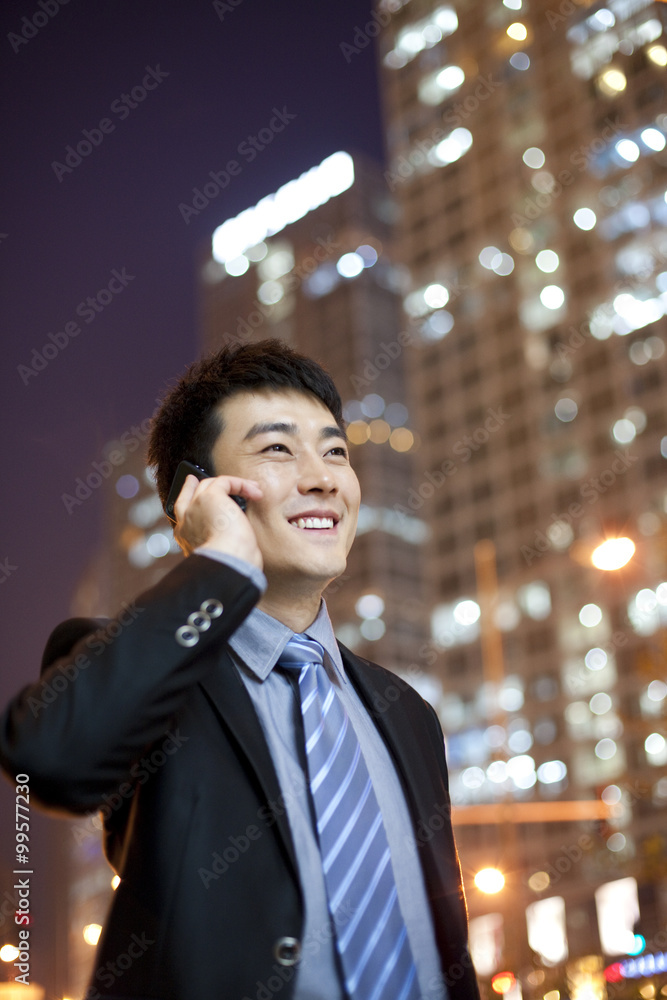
(215, 82)
(63, 233)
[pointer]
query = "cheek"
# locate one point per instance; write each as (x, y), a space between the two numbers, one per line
(272, 478)
(354, 494)
(275, 492)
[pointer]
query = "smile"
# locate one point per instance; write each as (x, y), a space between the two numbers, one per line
(313, 522)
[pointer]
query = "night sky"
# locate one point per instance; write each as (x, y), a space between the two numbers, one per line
(216, 79)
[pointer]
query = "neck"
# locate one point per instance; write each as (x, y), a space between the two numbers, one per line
(296, 610)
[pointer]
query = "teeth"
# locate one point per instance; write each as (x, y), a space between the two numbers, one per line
(314, 522)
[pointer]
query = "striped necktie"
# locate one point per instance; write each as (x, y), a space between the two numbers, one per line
(371, 937)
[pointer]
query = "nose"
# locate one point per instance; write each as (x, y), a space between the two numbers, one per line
(315, 475)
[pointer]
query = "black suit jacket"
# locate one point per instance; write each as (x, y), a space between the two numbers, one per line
(163, 737)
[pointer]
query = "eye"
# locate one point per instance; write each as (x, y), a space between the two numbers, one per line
(339, 450)
(276, 447)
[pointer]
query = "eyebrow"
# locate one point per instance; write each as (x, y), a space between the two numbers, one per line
(330, 431)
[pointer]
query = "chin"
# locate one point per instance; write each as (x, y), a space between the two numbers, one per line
(319, 577)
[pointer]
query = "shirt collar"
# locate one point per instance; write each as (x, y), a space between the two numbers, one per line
(260, 639)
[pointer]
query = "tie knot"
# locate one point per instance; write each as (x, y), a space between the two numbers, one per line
(300, 651)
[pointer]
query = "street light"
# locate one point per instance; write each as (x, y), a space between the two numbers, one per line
(503, 982)
(613, 554)
(489, 880)
(91, 933)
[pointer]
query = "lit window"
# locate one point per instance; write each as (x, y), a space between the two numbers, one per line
(368, 254)
(279, 261)
(605, 749)
(350, 265)
(520, 61)
(585, 218)
(372, 405)
(291, 202)
(127, 487)
(434, 88)
(547, 261)
(566, 409)
(534, 158)
(437, 325)
(535, 599)
(372, 629)
(452, 148)
(270, 292)
(657, 54)
(489, 257)
(624, 431)
(552, 296)
(257, 253)
(654, 139)
(611, 795)
(520, 741)
(497, 772)
(590, 615)
(551, 771)
(510, 696)
(504, 265)
(436, 296)
(401, 439)
(91, 933)
(473, 777)
(158, 544)
(655, 746)
(637, 416)
(602, 19)
(517, 31)
(655, 743)
(612, 82)
(237, 266)
(627, 150)
(521, 769)
(657, 691)
(466, 612)
(600, 703)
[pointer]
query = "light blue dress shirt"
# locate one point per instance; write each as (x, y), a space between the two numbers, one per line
(257, 644)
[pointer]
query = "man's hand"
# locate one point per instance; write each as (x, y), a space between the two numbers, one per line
(207, 515)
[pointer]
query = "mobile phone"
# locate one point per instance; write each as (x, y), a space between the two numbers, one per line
(190, 469)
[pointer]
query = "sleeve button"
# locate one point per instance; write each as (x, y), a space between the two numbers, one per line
(186, 635)
(212, 607)
(199, 620)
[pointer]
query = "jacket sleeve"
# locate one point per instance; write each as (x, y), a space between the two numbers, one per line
(100, 702)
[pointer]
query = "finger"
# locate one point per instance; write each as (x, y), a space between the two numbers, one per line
(234, 484)
(245, 487)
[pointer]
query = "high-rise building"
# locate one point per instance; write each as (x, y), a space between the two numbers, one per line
(313, 265)
(527, 157)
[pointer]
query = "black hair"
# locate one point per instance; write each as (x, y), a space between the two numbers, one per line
(189, 422)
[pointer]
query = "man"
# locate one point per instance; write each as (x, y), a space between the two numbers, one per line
(193, 726)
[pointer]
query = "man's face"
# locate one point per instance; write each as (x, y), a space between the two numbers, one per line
(288, 442)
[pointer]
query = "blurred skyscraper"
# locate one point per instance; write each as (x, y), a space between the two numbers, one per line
(527, 156)
(314, 265)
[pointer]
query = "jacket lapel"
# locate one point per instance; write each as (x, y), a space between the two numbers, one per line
(426, 794)
(383, 702)
(227, 693)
